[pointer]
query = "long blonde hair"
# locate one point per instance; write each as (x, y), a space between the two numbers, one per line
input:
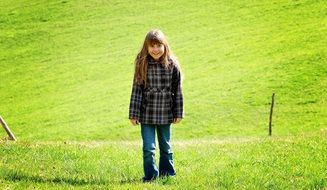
(154, 36)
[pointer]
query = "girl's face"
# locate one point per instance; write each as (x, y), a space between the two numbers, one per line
(156, 50)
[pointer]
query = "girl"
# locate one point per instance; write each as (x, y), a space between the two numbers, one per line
(156, 102)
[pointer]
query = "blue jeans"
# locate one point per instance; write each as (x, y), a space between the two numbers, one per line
(166, 164)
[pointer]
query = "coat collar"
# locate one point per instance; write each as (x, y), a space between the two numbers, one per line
(151, 60)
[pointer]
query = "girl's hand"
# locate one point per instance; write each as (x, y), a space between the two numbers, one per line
(177, 120)
(134, 122)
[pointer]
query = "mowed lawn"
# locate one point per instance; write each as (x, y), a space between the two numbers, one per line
(234, 163)
(65, 83)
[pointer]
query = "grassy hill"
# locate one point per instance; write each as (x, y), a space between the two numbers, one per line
(66, 66)
(66, 73)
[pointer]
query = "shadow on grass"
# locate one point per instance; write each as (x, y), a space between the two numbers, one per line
(15, 176)
(127, 181)
(160, 180)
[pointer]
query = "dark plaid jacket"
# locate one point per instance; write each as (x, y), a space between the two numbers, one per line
(161, 100)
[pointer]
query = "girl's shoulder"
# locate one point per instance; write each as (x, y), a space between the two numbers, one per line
(174, 63)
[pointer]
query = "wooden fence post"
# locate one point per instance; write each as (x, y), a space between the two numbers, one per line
(5, 126)
(271, 113)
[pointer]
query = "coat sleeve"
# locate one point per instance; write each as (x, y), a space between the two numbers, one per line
(135, 102)
(178, 106)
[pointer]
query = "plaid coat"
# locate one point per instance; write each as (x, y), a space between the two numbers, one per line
(161, 100)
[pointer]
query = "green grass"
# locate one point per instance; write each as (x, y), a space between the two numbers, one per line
(66, 73)
(67, 66)
(296, 162)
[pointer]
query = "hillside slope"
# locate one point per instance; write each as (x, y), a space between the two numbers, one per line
(66, 66)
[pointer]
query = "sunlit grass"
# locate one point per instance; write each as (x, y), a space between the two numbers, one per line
(65, 83)
(66, 67)
(296, 162)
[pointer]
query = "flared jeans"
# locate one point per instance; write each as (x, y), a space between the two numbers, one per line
(166, 164)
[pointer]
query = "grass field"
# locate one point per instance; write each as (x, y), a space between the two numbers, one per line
(257, 163)
(65, 83)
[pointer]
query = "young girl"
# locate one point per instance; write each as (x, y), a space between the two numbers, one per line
(156, 102)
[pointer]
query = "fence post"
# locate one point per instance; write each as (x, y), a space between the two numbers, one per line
(271, 113)
(5, 126)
